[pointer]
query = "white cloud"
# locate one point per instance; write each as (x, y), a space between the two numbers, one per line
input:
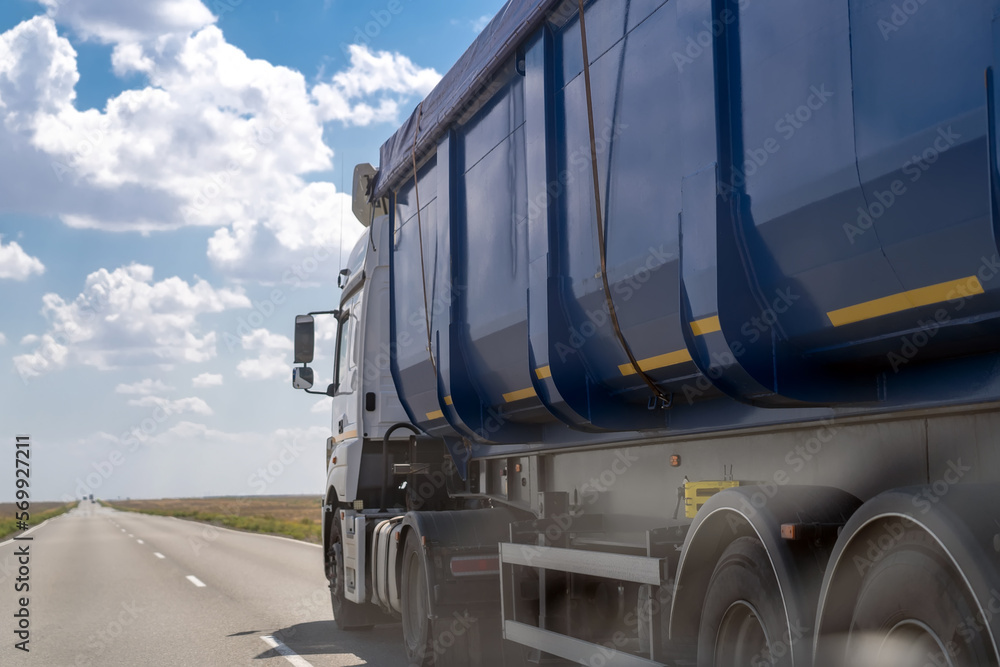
(207, 380)
(146, 387)
(123, 318)
(322, 406)
(16, 264)
(50, 355)
(273, 354)
(217, 139)
(180, 406)
(111, 21)
(37, 71)
(3, 339)
(38, 76)
(379, 74)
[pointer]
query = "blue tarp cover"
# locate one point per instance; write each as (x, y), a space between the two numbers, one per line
(464, 83)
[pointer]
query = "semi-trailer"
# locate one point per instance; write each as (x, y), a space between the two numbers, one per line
(673, 339)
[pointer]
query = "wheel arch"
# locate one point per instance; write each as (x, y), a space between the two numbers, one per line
(739, 512)
(330, 504)
(968, 536)
(344, 475)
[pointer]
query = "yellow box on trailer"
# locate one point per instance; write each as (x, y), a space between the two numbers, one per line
(697, 494)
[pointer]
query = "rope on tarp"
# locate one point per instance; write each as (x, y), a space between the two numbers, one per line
(420, 238)
(664, 400)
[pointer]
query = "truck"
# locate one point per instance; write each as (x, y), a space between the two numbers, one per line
(674, 339)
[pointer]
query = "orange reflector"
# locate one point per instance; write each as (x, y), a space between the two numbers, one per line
(517, 467)
(790, 531)
(334, 460)
(675, 460)
(468, 565)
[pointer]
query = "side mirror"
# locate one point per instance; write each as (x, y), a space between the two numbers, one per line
(364, 210)
(305, 340)
(302, 378)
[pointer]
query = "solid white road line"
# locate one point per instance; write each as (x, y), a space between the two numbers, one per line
(290, 655)
(27, 532)
(158, 554)
(140, 541)
(195, 580)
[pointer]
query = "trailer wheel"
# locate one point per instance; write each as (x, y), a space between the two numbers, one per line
(347, 615)
(743, 619)
(914, 609)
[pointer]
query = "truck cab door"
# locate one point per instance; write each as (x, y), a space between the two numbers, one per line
(346, 376)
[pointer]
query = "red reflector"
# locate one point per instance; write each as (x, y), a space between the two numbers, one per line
(465, 565)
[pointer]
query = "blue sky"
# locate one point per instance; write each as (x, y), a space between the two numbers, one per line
(170, 169)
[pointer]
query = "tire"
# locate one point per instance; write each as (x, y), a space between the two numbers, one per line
(914, 609)
(415, 601)
(743, 619)
(456, 640)
(347, 615)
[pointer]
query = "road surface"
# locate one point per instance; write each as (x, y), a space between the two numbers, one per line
(117, 588)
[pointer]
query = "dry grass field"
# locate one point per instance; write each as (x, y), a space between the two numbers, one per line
(7, 509)
(39, 512)
(292, 516)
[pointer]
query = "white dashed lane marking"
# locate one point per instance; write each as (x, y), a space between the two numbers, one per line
(289, 655)
(195, 580)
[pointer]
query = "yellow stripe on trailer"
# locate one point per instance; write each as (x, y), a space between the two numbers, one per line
(662, 361)
(706, 326)
(520, 395)
(924, 296)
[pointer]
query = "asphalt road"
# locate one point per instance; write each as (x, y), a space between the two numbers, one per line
(117, 588)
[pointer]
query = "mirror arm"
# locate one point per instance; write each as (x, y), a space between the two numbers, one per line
(331, 391)
(335, 313)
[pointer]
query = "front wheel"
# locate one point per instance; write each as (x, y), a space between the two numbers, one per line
(348, 615)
